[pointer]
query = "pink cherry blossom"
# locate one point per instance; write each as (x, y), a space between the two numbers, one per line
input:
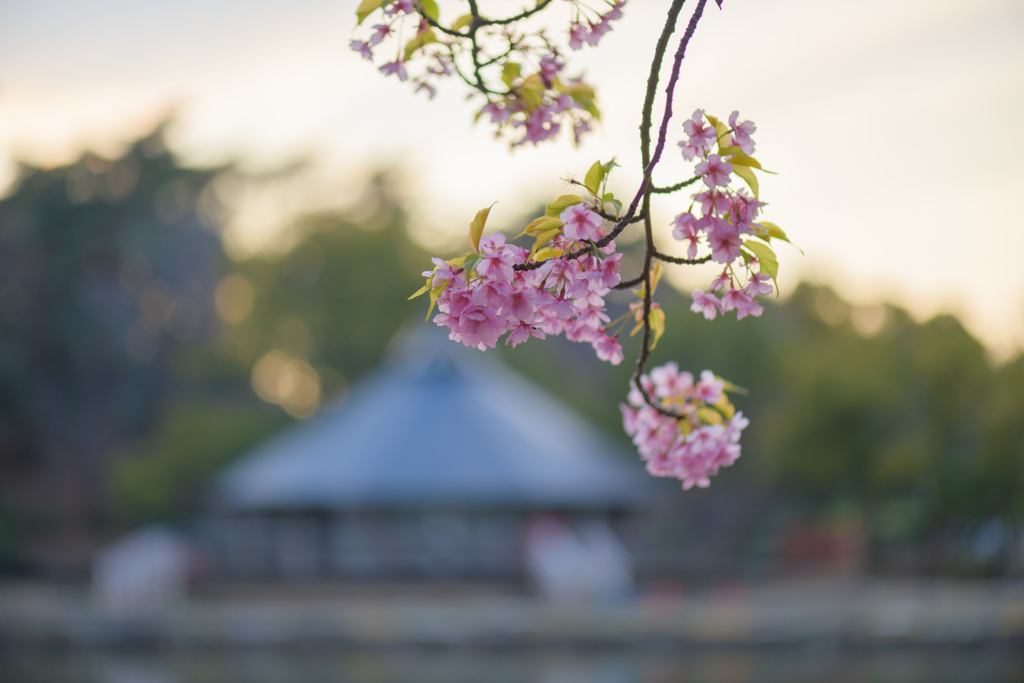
(721, 281)
(363, 48)
(705, 303)
(725, 246)
(686, 230)
(521, 333)
(709, 388)
(713, 202)
(608, 349)
(498, 113)
(579, 128)
(539, 126)
(714, 171)
(749, 307)
(427, 88)
(758, 284)
(741, 132)
(380, 32)
(581, 224)
(701, 136)
(397, 68)
(690, 151)
(550, 66)
(400, 7)
(596, 31)
(480, 327)
(692, 455)
(733, 299)
(577, 35)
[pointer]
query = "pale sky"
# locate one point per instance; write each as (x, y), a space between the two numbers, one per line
(893, 125)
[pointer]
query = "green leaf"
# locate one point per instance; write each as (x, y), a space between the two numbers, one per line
(584, 96)
(429, 8)
(774, 231)
(542, 224)
(532, 91)
(542, 239)
(476, 228)
(722, 132)
(366, 7)
(725, 407)
(729, 386)
(748, 175)
(422, 290)
(745, 161)
(510, 73)
(469, 265)
(561, 203)
(764, 254)
(609, 197)
(548, 252)
(425, 38)
(709, 416)
(464, 20)
(594, 177)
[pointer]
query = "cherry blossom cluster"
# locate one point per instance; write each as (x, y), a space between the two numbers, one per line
(726, 222)
(481, 295)
(518, 71)
(699, 435)
(682, 428)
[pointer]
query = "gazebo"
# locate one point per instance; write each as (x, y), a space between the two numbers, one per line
(435, 466)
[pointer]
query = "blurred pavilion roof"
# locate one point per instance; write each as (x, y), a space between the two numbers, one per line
(440, 426)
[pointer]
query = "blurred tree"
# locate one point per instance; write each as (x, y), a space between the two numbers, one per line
(297, 327)
(105, 271)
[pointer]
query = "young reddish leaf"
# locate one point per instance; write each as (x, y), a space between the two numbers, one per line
(657, 325)
(656, 272)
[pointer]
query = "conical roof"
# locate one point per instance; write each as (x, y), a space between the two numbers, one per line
(441, 426)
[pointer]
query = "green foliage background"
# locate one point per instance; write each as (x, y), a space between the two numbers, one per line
(911, 426)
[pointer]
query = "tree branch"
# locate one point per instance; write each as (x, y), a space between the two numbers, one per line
(675, 188)
(681, 261)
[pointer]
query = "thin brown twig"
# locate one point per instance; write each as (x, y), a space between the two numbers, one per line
(678, 186)
(680, 260)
